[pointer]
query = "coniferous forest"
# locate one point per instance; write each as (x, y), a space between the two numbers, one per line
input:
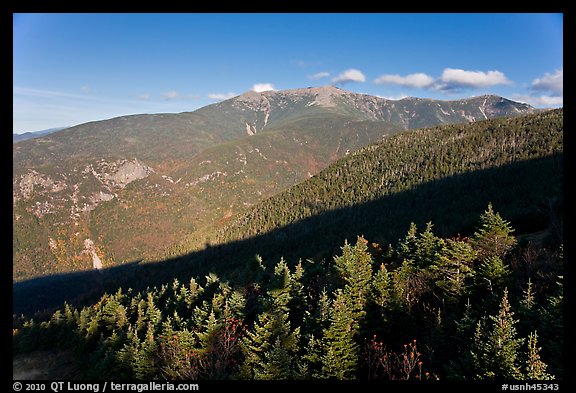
(479, 299)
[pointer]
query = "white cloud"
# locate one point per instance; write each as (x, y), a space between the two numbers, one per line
(86, 89)
(319, 75)
(419, 80)
(351, 75)
(144, 97)
(394, 98)
(453, 78)
(221, 96)
(553, 83)
(170, 95)
(540, 101)
(260, 87)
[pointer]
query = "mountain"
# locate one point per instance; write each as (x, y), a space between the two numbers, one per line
(152, 186)
(445, 174)
(34, 134)
(298, 244)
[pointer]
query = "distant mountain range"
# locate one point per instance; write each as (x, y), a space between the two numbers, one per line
(146, 187)
(34, 134)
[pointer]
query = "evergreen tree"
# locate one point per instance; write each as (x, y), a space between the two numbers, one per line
(493, 238)
(340, 351)
(270, 349)
(492, 273)
(453, 268)
(553, 326)
(495, 352)
(406, 248)
(355, 268)
(461, 367)
(535, 368)
(381, 289)
(428, 247)
(410, 283)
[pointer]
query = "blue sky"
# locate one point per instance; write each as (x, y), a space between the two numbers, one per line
(74, 68)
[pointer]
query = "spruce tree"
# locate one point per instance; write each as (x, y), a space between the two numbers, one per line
(495, 352)
(535, 368)
(453, 269)
(406, 248)
(428, 247)
(355, 268)
(493, 238)
(340, 351)
(381, 288)
(493, 273)
(271, 347)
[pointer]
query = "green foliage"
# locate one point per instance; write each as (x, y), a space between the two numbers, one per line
(225, 314)
(320, 320)
(354, 267)
(492, 273)
(270, 348)
(453, 268)
(340, 351)
(402, 164)
(535, 368)
(494, 237)
(495, 352)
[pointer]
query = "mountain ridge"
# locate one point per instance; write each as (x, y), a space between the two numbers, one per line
(305, 221)
(186, 174)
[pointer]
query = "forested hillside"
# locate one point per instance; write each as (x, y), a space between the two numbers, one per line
(436, 254)
(153, 186)
(480, 307)
(439, 173)
(445, 175)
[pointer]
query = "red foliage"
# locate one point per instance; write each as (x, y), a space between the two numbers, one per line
(384, 364)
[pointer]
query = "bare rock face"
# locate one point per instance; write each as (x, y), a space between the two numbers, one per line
(43, 183)
(42, 191)
(90, 249)
(120, 173)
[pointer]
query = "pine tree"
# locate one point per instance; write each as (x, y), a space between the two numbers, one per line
(340, 351)
(270, 348)
(453, 268)
(535, 368)
(492, 273)
(355, 268)
(494, 236)
(495, 352)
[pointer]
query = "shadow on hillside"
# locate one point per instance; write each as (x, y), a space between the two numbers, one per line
(520, 191)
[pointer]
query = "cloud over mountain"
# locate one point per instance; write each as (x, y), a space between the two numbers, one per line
(350, 75)
(419, 80)
(454, 79)
(319, 75)
(260, 87)
(553, 83)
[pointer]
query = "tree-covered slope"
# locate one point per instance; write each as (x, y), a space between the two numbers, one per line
(423, 159)
(152, 186)
(378, 191)
(482, 307)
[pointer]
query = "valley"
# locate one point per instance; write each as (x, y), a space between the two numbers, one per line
(299, 252)
(148, 187)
